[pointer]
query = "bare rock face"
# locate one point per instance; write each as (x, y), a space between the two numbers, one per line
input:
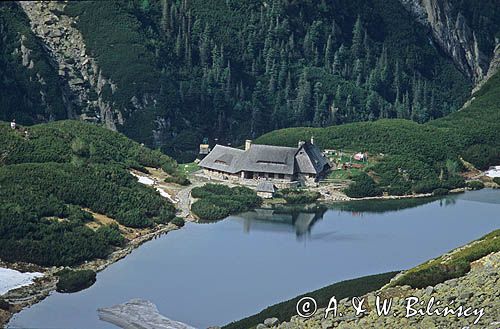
(64, 42)
(453, 35)
(138, 314)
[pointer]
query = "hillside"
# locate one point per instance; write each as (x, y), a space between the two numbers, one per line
(168, 73)
(57, 178)
(418, 157)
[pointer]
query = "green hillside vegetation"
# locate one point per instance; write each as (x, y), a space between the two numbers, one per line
(285, 310)
(219, 201)
(448, 267)
(48, 177)
(236, 69)
(417, 157)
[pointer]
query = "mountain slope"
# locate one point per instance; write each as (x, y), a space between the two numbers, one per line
(417, 155)
(30, 88)
(168, 73)
(53, 175)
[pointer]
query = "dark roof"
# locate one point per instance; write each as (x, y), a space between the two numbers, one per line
(311, 161)
(265, 186)
(222, 158)
(266, 158)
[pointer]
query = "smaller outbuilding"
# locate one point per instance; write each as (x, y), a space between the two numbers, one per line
(265, 189)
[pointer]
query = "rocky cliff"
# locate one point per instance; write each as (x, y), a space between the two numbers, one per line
(65, 44)
(455, 35)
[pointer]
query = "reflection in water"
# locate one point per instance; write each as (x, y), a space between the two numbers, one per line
(301, 221)
(361, 207)
(279, 220)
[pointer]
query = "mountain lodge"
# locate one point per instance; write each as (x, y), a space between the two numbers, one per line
(304, 164)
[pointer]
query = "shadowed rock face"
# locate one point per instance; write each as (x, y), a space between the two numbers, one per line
(455, 37)
(138, 314)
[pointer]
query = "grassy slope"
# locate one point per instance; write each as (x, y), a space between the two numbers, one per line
(285, 310)
(62, 167)
(450, 266)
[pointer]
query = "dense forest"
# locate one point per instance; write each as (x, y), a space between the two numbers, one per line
(414, 157)
(51, 173)
(236, 69)
(230, 70)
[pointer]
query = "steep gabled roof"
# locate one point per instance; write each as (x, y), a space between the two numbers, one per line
(310, 160)
(306, 159)
(268, 158)
(222, 158)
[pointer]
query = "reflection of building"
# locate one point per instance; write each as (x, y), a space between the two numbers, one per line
(304, 163)
(299, 223)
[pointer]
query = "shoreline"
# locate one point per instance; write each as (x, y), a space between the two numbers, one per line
(41, 288)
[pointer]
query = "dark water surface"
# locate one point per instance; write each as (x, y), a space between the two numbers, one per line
(212, 274)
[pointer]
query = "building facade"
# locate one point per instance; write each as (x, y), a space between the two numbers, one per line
(304, 164)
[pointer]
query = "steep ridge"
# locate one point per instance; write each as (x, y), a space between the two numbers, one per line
(67, 47)
(467, 31)
(30, 89)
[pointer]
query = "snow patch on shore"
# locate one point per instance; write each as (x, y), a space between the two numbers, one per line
(150, 182)
(12, 279)
(493, 172)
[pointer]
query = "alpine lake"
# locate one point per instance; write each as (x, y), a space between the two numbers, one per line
(215, 273)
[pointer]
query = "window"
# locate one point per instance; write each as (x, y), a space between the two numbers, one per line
(281, 176)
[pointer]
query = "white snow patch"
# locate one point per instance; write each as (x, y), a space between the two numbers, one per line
(12, 279)
(150, 182)
(143, 179)
(493, 172)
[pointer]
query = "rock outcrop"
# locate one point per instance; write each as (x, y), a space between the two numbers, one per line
(454, 35)
(138, 314)
(66, 46)
(479, 289)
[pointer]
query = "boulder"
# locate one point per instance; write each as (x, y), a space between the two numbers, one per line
(138, 314)
(270, 322)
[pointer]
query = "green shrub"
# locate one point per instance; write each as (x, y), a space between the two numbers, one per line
(426, 186)
(363, 186)
(178, 221)
(134, 218)
(217, 201)
(453, 182)
(448, 267)
(497, 180)
(73, 281)
(206, 210)
(111, 234)
(440, 191)
(475, 185)
(180, 180)
(300, 196)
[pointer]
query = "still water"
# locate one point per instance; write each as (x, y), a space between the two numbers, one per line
(212, 274)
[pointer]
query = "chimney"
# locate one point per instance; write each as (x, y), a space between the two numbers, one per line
(312, 139)
(301, 143)
(248, 143)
